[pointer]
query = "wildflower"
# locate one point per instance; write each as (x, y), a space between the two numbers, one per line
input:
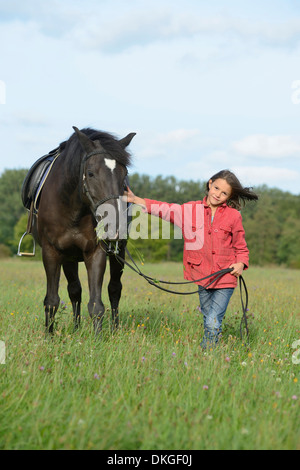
(294, 397)
(243, 364)
(227, 359)
(96, 377)
(42, 368)
(205, 387)
(173, 354)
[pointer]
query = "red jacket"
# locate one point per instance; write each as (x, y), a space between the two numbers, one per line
(209, 246)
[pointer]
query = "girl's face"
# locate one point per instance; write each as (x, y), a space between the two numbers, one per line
(219, 192)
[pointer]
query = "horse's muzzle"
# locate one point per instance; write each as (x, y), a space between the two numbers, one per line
(108, 223)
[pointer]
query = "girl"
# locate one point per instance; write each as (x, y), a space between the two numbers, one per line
(214, 239)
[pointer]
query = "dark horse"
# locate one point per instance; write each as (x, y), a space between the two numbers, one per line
(89, 175)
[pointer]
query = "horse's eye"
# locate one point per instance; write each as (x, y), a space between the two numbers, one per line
(90, 174)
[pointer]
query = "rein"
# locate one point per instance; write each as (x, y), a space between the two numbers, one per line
(218, 274)
(150, 280)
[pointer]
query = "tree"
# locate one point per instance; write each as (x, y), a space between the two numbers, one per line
(272, 224)
(288, 251)
(11, 207)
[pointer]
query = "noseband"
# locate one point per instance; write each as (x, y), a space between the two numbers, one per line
(85, 188)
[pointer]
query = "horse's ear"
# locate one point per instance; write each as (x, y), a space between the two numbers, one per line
(126, 140)
(86, 143)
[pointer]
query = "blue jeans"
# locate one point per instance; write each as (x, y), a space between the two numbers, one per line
(213, 304)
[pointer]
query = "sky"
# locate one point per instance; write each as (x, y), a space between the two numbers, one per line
(205, 85)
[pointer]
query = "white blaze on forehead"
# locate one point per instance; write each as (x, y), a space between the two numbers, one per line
(110, 163)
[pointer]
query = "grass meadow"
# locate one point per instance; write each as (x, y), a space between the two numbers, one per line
(149, 385)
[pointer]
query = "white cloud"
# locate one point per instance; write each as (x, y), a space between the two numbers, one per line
(268, 146)
(273, 177)
(178, 136)
(32, 120)
(163, 24)
(175, 145)
(113, 27)
(191, 78)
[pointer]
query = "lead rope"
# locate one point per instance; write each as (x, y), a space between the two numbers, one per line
(218, 274)
(244, 307)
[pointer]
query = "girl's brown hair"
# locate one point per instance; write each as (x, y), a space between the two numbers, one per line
(239, 195)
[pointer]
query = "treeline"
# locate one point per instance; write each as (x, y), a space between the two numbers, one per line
(272, 224)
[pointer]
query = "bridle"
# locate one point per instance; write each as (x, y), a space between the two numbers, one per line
(83, 179)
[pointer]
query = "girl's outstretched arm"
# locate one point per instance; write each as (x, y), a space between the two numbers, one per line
(133, 198)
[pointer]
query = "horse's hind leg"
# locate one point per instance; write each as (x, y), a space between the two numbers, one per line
(52, 264)
(74, 289)
(115, 285)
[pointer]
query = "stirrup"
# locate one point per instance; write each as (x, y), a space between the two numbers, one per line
(20, 253)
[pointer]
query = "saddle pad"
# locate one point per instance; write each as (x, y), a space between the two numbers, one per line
(35, 179)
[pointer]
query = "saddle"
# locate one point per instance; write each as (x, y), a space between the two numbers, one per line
(35, 180)
(31, 191)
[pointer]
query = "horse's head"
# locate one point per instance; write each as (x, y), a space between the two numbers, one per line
(103, 180)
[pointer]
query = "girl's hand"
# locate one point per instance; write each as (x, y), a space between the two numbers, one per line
(130, 197)
(237, 269)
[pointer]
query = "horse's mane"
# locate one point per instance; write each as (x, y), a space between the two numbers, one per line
(109, 142)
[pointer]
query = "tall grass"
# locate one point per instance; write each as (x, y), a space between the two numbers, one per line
(149, 385)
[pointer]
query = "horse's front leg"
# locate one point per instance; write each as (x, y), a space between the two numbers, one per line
(95, 265)
(52, 264)
(115, 285)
